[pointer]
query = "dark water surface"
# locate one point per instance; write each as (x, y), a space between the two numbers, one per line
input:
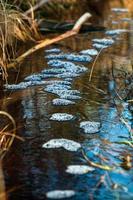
(32, 170)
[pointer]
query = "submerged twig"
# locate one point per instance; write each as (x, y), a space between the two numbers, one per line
(47, 42)
(97, 165)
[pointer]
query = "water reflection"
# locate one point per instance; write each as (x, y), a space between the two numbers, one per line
(39, 170)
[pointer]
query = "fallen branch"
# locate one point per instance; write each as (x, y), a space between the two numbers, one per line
(47, 42)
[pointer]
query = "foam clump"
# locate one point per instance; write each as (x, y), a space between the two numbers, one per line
(116, 31)
(91, 52)
(120, 10)
(99, 46)
(90, 127)
(104, 41)
(61, 117)
(70, 97)
(33, 77)
(61, 90)
(59, 82)
(54, 50)
(54, 71)
(60, 194)
(67, 67)
(79, 169)
(78, 58)
(62, 102)
(23, 85)
(68, 75)
(70, 57)
(68, 145)
(56, 86)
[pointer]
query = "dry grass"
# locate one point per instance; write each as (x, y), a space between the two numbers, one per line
(14, 26)
(6, 136)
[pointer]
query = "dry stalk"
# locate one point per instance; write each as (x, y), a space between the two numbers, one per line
(93, 65)
(6, 138)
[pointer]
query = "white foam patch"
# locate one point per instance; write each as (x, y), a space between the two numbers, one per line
(104, 41)
(116, 31)
(54, 50)
(79, 169)
(120, 9)
(90, 127)
(60, 194)
(99, 46)
(61, 117)
(91, 52)
(70, 57)
(69, 145)
(62, 102)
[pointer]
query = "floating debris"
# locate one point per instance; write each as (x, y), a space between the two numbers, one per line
(91, 52)
(62, 102)
(54, 50)
(70, 57)
(61, 117)
(69, 145)
(104, 41)
(116, 31)
(60, 194)
(120, 10)
(79, 169)
(99, 46)
(90, 127)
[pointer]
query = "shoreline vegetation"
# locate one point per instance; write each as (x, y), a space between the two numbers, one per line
(21, 26)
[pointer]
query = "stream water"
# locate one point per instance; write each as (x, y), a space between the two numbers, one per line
(33, 171)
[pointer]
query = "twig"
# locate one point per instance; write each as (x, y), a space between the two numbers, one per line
(97, 165)
(36, 7)
(93, 65)
(47, 42)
